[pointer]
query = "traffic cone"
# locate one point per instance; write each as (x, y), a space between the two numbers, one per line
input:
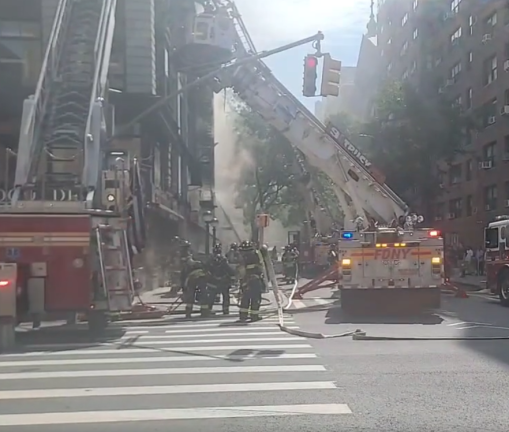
(460, 293)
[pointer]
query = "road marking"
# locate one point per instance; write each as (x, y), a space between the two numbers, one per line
(121, 350)
(136, 332)
(90, 417)
(164, 390)
(246, 329)
(219, 334)
(160, 371)
(298, 304)
(466, 322)
(182, 358)
(212, 323)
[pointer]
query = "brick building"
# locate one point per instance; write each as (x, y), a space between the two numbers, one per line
(459, 48)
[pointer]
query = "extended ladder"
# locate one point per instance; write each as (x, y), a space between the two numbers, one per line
(115, 267)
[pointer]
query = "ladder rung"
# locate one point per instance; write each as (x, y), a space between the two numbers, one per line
(113, 268)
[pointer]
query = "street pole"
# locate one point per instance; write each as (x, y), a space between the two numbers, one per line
(207, 238)
(214, 235)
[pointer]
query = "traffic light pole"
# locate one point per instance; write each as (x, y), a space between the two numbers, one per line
(317, 38)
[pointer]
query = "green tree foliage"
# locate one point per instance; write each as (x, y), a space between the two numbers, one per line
(409, 135)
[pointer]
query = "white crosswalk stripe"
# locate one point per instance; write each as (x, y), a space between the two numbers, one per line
(315, 302)
(191, 371)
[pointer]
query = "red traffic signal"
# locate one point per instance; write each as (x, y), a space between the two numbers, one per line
(310, 75)
(311, 62)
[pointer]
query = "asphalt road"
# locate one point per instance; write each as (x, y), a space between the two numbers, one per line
(422, 385)
(218, 375)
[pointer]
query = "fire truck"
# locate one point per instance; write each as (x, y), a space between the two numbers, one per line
(497, 258)
(76, 218)
(398, 261)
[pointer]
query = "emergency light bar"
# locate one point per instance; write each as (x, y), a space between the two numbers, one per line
(347, 235)
(434, 233)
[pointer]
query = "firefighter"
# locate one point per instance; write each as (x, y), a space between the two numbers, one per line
(233, 254)
(289, 260)
(194, 282)
(221, 277)
(332, 255)
(251, 281)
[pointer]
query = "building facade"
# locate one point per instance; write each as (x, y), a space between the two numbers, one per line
(175, 143)
(459, 48)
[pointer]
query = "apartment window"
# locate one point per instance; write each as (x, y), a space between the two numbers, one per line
(469, 205)
(389, 67)
(405, 75)
(439, 211)
(415, 34)
(489, 153)
(416, 3)
(382, 52)
(470, 59)
(414, 67)
(381, 29)
(455, 71)
(455, 6)
(455, 35)
(404, 19)
(404, 48)
(490, 72)
(455, 208)
(490, 197)
(469, 95)
(455, 174)
(506, 148)
(471, 22)
(389, 41)
(491, 22)
(469, 169)
(489, 113)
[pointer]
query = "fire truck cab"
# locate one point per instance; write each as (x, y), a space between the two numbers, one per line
(497, 258)
(391, 265)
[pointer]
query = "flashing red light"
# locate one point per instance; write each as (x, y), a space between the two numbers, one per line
(434, 233)
(4, 283)
(311, 62)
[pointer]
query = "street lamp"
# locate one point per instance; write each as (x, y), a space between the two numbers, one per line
(208, 217)
(214, 224)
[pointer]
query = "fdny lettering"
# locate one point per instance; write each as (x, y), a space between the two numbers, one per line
(392, 254)
(340, 138)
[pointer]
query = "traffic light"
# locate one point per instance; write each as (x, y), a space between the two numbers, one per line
(310, 75)
(331, 76)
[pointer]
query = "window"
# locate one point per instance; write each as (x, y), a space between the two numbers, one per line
(455, 174)
(471, 22)
(439, 211)
(469, 204)
(415, 34)
(490, 22)
(455, 6)
(489, 113)
(414, 67)
(490, 72)
(470, 59)
(457, 102)
(404, 48)
(405, 74)
(455, 71)
(491, 238)
(506, 189)
(468, 101)
(506, 149)
(490, 198)
(469, 169)
(404, 19)
(489, 152)
(389, 41)
(416, 3)
(455, 208)
(455, 35)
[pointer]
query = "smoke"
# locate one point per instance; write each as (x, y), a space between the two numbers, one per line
(228, 167)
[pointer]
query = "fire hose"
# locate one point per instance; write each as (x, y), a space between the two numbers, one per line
(357, 334)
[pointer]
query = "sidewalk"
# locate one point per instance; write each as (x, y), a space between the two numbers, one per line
(469, 282)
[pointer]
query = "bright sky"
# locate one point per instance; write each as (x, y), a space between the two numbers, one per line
(272, 23)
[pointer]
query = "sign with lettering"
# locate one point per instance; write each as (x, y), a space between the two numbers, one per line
(54, 195)
(392, 254)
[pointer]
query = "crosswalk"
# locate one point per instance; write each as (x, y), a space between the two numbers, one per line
(312, 302)
(213, 370)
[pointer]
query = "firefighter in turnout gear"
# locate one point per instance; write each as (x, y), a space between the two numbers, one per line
(251, 281)
(233, 254)
(221, 277)
(194, 281)
(332, 255)
(289, 260)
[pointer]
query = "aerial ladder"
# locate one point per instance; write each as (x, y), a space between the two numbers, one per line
(83, 205)
(361, 196)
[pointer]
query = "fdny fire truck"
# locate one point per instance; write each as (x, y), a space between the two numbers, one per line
(497, 258)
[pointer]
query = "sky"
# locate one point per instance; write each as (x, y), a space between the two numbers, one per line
(273, 23)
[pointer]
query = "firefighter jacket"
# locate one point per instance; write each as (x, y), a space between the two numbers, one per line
(192, 270)
(251, 265)
(220, 271)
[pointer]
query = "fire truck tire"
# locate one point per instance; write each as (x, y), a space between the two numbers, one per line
(97, 322)
(503, 288)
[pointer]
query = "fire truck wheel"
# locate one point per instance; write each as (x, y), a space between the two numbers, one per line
(97, 322)
(503, 288)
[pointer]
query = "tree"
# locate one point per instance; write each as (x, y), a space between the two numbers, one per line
(411, 134)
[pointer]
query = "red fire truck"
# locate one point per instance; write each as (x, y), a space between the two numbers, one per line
(497, 258)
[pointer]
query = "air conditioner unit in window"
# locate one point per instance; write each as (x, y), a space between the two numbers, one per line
(485, 164)
(486, 38)
(504, 110)
(492, 120)
(506, 66)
